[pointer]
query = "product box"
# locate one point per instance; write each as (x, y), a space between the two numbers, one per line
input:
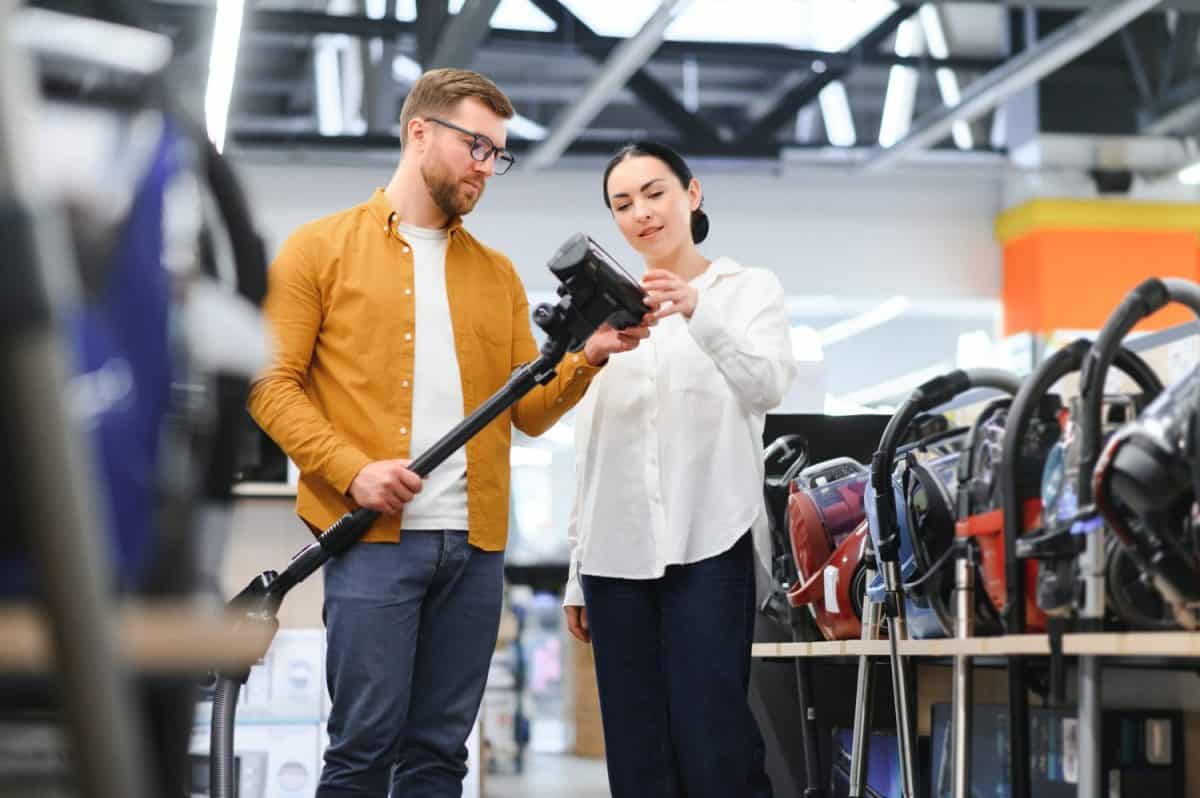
(32, 752)
(1142, 752)
(287, 686)
(270, 761)
(883, 764)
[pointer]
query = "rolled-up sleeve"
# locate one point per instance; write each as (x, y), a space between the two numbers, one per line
(539, 409)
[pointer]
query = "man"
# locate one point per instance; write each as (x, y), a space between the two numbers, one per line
(392, 323)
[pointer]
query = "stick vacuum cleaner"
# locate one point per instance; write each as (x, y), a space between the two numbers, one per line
(593, 289)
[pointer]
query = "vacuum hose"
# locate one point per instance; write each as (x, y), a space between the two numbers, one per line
(224, 716)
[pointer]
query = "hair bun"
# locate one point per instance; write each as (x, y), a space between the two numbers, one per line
(699, 225)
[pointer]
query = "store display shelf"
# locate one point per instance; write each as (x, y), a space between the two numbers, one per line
(160, 638)
(1104, 644)
(259, 490)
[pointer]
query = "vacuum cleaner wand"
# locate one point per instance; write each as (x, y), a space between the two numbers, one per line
(594, 290)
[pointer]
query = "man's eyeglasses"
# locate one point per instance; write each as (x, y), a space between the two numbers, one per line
(481, 146)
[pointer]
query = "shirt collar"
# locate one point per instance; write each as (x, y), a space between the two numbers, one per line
(381, 210)
(721, 267)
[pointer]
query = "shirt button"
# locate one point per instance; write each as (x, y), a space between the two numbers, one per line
(404, 430)
(408, 292)
(578, 372)
(408, 336)
(404, 249)
(404, 383)
(558, 401)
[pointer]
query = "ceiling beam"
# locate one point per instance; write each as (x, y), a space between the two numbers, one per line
(571, 36)
(1061, 47)
(431, 22)
(1176, 113)
(763, 128)
(463, 35)
(1077, 5)
(1180, 58)
(653, 94)
(626, 59)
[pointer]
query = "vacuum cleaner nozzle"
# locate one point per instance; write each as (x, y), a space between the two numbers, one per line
(595, 289)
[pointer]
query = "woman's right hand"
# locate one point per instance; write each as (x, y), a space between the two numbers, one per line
(577, 623)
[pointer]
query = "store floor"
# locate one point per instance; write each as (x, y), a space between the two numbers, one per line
(551, 776)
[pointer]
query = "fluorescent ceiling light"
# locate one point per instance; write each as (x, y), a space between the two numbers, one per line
(328, 81)
(947, 81)
(510, 14)
(222, 63)
(1190, 175)
(948, 86)
(835, 108)
(880, 314)
(935, 34)
(405, 69)
(901, 94)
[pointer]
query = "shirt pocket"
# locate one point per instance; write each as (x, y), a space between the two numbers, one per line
(491, 317)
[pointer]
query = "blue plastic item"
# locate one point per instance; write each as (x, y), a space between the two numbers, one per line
(119, 390)
(923, 621)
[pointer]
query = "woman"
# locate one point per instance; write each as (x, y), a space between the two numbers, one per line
(669, 513)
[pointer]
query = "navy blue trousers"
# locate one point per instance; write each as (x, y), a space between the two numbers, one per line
(411, 629)
(673, 667)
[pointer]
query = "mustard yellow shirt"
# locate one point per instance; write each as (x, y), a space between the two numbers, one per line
(338, 394)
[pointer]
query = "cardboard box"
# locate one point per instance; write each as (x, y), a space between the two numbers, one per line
(589, 732)
(271, 761)
(287, 686)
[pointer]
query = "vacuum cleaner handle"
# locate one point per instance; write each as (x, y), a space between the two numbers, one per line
(934, 393)
(1143, 301)
(1065, 361)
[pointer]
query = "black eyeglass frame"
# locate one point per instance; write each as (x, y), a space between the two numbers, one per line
(504, 157)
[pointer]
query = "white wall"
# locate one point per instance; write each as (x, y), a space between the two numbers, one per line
(836, 234)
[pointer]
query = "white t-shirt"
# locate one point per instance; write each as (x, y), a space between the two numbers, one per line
(437, 387)
(668, 442)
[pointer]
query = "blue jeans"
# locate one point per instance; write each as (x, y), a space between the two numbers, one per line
(411, 628)
(673, 667)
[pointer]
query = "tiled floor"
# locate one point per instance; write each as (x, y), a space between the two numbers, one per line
(551, 776)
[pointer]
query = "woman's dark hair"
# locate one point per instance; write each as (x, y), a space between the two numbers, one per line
(674, 162)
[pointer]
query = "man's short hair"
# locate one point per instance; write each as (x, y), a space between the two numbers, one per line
(439, 91)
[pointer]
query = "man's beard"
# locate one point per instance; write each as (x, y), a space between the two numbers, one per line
(447, 192)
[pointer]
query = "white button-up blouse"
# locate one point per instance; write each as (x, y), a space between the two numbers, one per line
(669, 436)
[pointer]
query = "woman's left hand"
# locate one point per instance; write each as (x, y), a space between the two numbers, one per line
(663, 287)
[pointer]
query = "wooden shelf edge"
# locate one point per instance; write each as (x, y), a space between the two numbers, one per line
(1105, 644)
(260, 490)
(167, 638)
